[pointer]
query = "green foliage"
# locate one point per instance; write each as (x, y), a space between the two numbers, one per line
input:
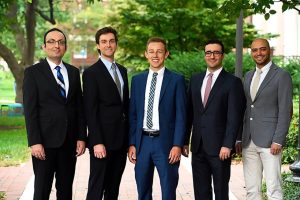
(16, 121)
(233, 7)
(186, 25)
(291, 190)
(290, 152)
(2, 195)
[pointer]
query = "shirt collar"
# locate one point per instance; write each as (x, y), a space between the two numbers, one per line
(266, 67)
(215, 73)
(107, 63)
(53, 65)
(159, 72)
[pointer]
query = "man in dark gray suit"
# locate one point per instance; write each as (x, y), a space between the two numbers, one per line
(268, 90)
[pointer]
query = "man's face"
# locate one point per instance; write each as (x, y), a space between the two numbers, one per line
(55, 46)
(213, 57)
(107, 46)
(156, 55)
(260, 52)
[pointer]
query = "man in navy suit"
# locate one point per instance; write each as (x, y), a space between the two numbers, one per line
(216, 104)
(54, 118)
(157, 118)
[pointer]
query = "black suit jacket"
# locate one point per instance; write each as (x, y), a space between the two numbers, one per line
(217, 124)
(106, 113)
(50, 119)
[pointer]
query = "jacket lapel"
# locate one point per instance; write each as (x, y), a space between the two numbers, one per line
(247, 83)
(217, 85)
(165, 82)
(268, 78)
(46, 70)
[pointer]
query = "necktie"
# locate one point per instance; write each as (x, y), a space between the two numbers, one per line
(61, 82)
(255, 84)
(207, 88)
(116, 78)
(151, 101)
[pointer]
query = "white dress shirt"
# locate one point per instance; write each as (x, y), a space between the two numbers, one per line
(214, 78)
(155, 117)
(63, 71)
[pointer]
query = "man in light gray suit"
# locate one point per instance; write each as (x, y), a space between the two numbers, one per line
(268, 90)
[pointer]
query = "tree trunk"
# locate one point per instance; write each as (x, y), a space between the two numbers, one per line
(239, 46)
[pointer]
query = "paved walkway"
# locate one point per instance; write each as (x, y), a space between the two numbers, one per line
(17, 182)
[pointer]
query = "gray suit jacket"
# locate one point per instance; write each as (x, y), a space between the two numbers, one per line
(268, 117)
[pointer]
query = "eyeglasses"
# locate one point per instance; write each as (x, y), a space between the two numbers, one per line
(215, 53)
(59, 42)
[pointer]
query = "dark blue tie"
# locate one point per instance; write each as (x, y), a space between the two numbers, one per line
(151, 101)
(61, 82)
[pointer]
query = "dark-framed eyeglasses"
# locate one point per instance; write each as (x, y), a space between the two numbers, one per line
(215, 53)
(59, 42)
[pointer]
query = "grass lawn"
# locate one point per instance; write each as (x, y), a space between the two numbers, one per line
(7, 92)
(13, 141)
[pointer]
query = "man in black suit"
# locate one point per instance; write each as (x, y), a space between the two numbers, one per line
(216, 104)
(54, 118)
(105, 88)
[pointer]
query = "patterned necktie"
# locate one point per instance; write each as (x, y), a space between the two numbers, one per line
(116, 78)
(61, 82)
(255, 84)
(151, 101)
(207, 88)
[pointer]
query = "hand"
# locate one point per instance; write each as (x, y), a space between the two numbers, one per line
(238, 148)
(38, 151)
(80, 148)
(175, 154)
(224, 153)
(99, 151)
(132, 154)
(186, 150)
(275, 148)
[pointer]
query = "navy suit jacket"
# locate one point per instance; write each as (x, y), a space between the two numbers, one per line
(172, 110)
(217, 124)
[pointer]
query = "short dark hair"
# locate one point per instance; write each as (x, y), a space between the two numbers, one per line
(106, 30)
(157, 39)
(54, 29)
(215, 41)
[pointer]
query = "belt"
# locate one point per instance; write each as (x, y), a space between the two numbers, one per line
(151, 133)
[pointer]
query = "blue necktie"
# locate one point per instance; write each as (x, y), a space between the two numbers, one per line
(61, 82)
(151, 101)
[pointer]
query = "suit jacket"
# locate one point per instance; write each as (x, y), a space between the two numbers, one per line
(217, 124)
(172, 110)
(268, 117)
(50, 119)
(106, 113)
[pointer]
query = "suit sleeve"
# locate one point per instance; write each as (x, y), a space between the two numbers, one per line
(30, 103)
(180, 121)
(80, 113)
(285, 103)
(235, 113)
(90, 96)
(132, 114)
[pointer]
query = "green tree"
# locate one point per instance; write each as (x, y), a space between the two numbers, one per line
(18, 21)
(186, 25)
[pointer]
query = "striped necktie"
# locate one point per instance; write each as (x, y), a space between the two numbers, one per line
(61, 82)
(151, 101)
(207, 88)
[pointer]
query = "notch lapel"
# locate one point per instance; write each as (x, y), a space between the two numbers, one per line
(165, 82)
